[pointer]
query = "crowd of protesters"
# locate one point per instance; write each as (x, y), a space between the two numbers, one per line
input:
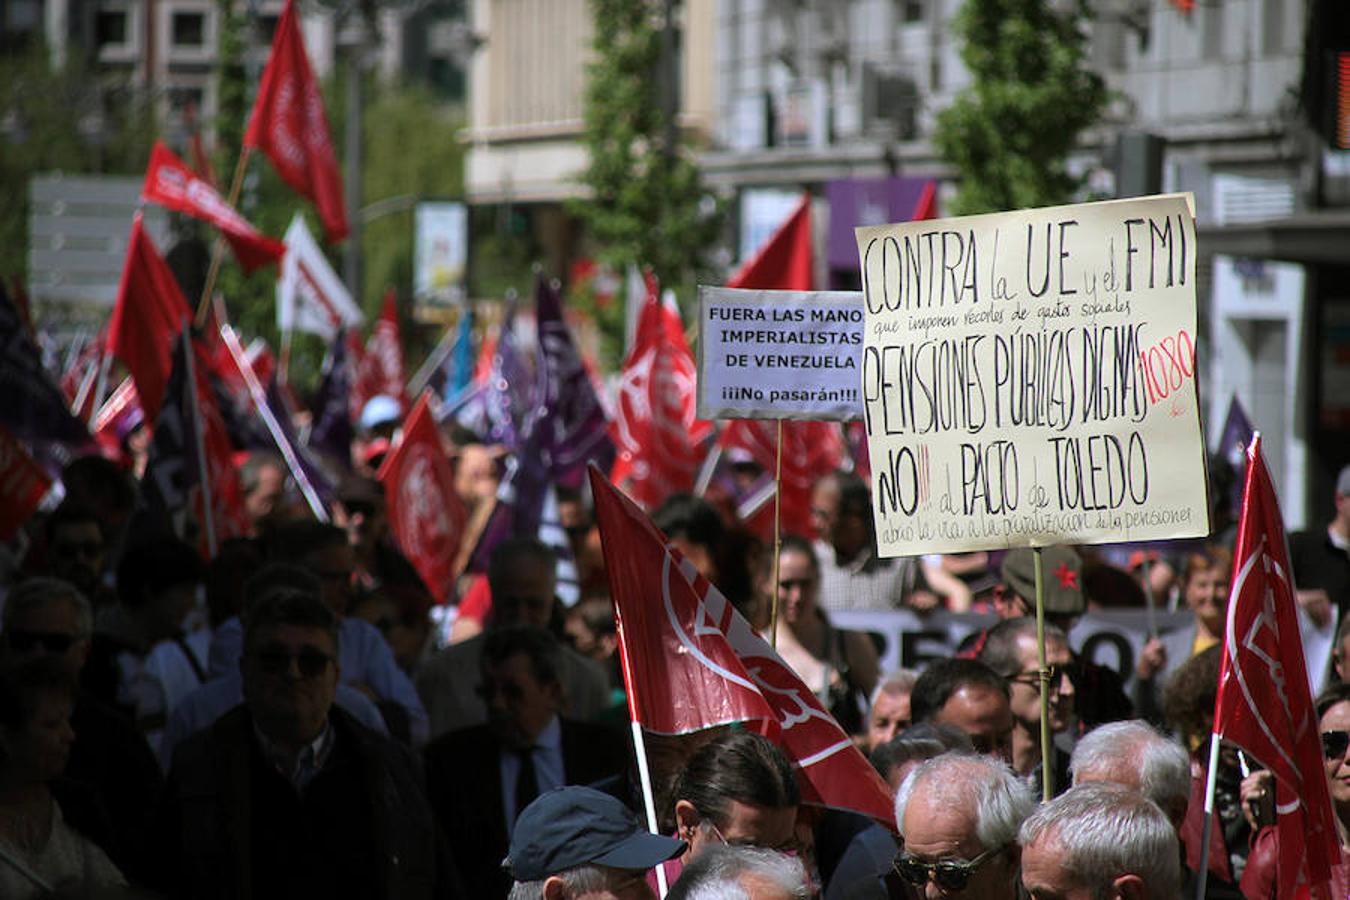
(297, 717)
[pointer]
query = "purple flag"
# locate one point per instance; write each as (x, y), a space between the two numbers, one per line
(32, 406)
(331, 435)
(512, 394)
(1233, 443)
(575, 429)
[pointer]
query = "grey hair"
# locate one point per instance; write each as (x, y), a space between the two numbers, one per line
(716, 873)
(35, 593)
(901, 681)
(583, 879)
(988, 787)
(1135, 746)
(1101, 831)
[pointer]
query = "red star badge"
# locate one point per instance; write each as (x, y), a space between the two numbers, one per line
(1068, 578)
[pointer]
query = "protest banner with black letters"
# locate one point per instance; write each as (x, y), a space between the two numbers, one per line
(1028, 378)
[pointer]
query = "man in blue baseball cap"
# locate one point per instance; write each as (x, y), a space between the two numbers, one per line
(576, 843)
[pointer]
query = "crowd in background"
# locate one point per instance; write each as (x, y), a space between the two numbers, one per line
(296, 716)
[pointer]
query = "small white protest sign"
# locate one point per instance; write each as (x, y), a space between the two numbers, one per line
(779, 354)
(1028, 378)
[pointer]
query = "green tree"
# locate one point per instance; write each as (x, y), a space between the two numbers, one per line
(410, 148)
(60, 119)
(646, 204)
(1008, 135)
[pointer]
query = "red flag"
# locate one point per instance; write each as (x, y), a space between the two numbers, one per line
(150, 311)
(691, 662)
(811, 450)
(23, 484)
(655, 430)
(784, 262)
(425, 513)
(201, 161)
(289, 125)
(1264, 704)
(380, 370)
(171, 184)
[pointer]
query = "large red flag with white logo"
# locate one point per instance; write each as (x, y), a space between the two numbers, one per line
(380, 369)
(170, 183)
(149, 313)
(690, 661)
(655, 430)
(425, 513)
(289, 125)
(1264, 703)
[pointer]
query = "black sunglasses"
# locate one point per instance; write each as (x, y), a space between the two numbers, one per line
(1335, 743)
(1033, 679)
(949, 874)
(311, 661)
(26, 641)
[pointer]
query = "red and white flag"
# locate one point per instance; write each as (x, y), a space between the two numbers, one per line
(170, 183)
(784, 262)
(811, 450)
(690, 661)
(289, 125)
(655, 430)
(380, 370)
(23, 484)
(425, 513)
(310, 295)
(1264, 703)
(149, 313)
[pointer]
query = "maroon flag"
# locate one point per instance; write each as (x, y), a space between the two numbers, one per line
(380, 369)
(22, 485)
(1264, 704)
(170, 183)
(289, 125)
(425, 513)
(691, 662)
(150, 311)
(655, 429)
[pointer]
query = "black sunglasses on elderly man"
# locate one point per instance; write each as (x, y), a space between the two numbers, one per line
(951, 875)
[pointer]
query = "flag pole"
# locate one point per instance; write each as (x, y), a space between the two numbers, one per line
(1211, 781)
(279, 438)
(218, 249)
(1150, 603)
(208, 511)
(777, 536)
(1047, 783)
(284, 366)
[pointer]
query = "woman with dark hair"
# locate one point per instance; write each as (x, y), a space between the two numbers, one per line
(840, 666)
(42, 847)
(1259, 881)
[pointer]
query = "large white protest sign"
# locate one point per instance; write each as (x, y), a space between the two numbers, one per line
(779, 354)
(1028, 378)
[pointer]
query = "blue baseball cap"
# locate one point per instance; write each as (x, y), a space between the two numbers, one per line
(576, 826)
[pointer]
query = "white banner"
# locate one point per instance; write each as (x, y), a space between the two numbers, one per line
(779, 354)
(310, 295)
(1028, 378)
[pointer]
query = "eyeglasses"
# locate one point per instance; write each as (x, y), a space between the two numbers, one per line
(26, 641)
(948, 874)
(1335, 743)
(790, 847)
(311, 661)
(1033, 679)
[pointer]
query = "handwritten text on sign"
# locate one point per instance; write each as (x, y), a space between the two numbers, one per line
(1028, 378)
(779, 354)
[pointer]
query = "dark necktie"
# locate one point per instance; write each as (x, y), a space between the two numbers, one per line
(527, 785)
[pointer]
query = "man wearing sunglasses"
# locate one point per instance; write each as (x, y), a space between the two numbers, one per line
(1100, 841)
(958, 816)
(288, 795)
(1010, 650)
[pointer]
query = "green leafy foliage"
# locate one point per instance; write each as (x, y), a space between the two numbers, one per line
(646, 204)
(1008, 135)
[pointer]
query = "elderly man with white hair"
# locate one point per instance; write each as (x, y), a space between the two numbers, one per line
(732, 872)
(959, 815)
(1138, 756)
(1100, 842)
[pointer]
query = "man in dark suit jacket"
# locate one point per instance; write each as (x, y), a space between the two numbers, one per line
(480, 778)
(287, 795)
